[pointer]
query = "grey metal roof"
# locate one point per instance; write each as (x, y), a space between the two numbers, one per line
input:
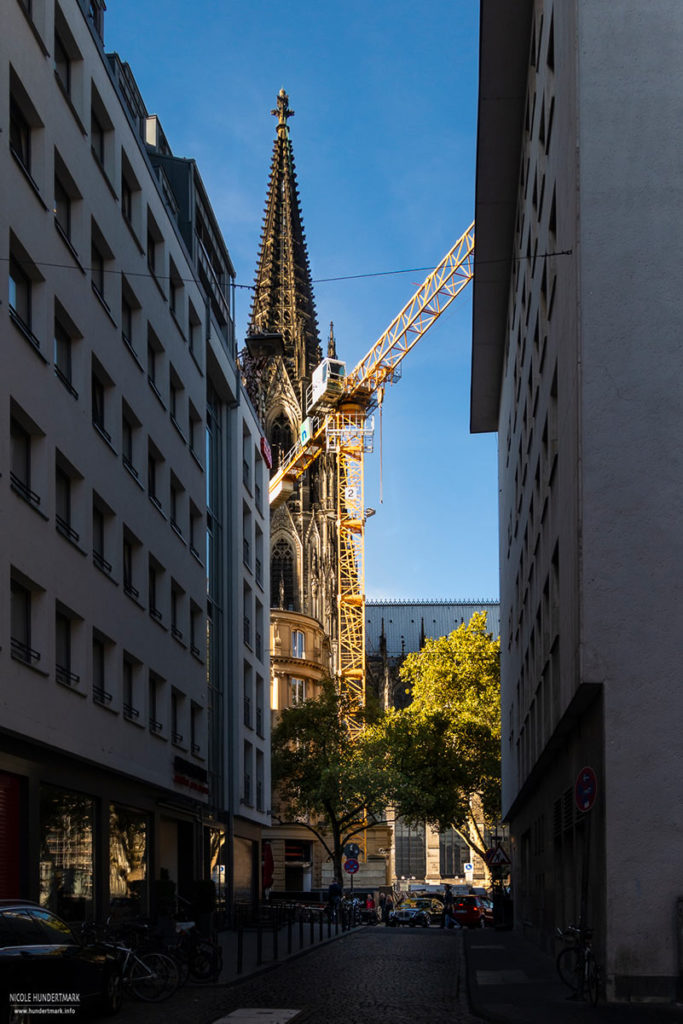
(403, 621)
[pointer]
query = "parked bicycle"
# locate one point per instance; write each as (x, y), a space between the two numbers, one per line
(576, 964)
(149, 977)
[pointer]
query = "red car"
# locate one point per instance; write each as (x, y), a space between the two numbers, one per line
(470, 912)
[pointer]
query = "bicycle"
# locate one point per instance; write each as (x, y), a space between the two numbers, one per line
(576, 964)
(149, 977)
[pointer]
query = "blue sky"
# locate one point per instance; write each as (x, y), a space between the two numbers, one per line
(384, 138)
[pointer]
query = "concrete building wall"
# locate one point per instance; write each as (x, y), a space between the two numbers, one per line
(578, 337)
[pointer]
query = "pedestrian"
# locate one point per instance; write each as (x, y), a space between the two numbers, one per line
(369, 902)
(382, 905)
(388, 908)
(334, 894)
(447, 920)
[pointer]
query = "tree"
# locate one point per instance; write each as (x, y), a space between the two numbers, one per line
(443, 750)
(332, 785)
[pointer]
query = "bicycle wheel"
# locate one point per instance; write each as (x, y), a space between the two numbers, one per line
(206, 962)
(568, 965)
(153, 977)
(592, 982)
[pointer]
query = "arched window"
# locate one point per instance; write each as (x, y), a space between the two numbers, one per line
(280, 440)
(282, 576)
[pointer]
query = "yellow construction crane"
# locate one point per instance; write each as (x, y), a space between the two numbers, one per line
(338, 408)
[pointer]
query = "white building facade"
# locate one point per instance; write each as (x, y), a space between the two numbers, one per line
(123, 742)
(576, 353)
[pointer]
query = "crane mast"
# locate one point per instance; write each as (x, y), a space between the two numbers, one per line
(341, 425)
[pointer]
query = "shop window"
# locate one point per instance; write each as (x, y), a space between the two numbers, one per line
(128, 854)
(67, 853)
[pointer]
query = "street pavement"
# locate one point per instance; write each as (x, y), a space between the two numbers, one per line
(389, 975)
(370, 975)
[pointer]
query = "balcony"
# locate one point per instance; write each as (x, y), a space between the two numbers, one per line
(22, 652)
(65, 677)
(101, 696)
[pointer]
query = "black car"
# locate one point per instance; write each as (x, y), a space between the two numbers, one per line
(45, 966)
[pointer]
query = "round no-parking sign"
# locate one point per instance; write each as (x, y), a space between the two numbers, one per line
(586, 789)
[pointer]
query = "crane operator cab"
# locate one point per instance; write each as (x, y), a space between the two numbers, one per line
(327, 384)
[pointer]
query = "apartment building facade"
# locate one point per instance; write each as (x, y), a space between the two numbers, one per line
(131, 465)
(576, 344)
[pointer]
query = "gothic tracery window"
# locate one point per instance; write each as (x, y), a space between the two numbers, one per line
(280, 440)
(282, 576)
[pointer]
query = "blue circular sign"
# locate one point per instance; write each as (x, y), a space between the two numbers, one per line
(351, 865)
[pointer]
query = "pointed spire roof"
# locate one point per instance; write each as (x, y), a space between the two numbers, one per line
(283, 297)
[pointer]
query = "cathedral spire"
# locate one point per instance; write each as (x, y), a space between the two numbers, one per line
(283, 294)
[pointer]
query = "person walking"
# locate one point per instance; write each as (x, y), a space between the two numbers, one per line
(388, 908)
(447, 920)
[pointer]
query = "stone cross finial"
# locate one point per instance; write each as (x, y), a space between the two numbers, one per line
(282, 111)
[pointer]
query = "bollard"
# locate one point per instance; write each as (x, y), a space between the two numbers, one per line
(276, 928)
(301, 931)
(320, 925)
(240, 949)
(312, 934)
(259, 943)
(289, 935)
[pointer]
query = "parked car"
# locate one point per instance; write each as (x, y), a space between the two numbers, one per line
(41, 958)
(470, 912)
(412, 912)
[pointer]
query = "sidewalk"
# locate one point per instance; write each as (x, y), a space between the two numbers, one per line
(511, 980)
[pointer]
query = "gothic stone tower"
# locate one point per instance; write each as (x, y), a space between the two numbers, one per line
(303, 531)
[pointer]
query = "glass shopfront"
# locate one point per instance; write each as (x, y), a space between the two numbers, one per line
(128, 855)
(67, 853)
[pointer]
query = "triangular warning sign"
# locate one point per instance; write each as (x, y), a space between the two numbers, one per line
(498, 856)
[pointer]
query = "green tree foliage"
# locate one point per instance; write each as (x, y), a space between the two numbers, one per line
(443, 750)
(332, 785)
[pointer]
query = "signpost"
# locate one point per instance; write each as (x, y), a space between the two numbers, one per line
(585, 792)
(351, 864)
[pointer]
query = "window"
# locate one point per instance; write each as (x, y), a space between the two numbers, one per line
(176, 610)
(248, 759)
(97, 269)
(259, 780)
(62, 64)
(63, 356)
(62, 208)
(152, 591)
(130, 710)
(297, 691)
(153, 473)
(63, 505)
(19, 293)
(129, 427)
(195, 530)
(19, 135)
(126, 199)
(63, 665)
(282, 576)
(97, 137)
(130, 548)
(126, 321)
(259, 705)
(99, 692)
(155, 726)
(195, 725)
(195, 629)
(177, 701)
(177, 501)
(21, 620)
(155, 245)
(175, 397)
(175, 289)
(193, 326)
(194, 430)
(20, 471)
(100, 517)
(297, 643)
(98, 404)
(67, 859)
(155, 354)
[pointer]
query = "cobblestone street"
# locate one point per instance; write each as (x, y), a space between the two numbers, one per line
(370, 976)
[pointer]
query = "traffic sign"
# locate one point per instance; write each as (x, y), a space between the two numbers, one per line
(497, 857)
(351, 865)
(585, 789)
(352, 849)
(468, 867)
